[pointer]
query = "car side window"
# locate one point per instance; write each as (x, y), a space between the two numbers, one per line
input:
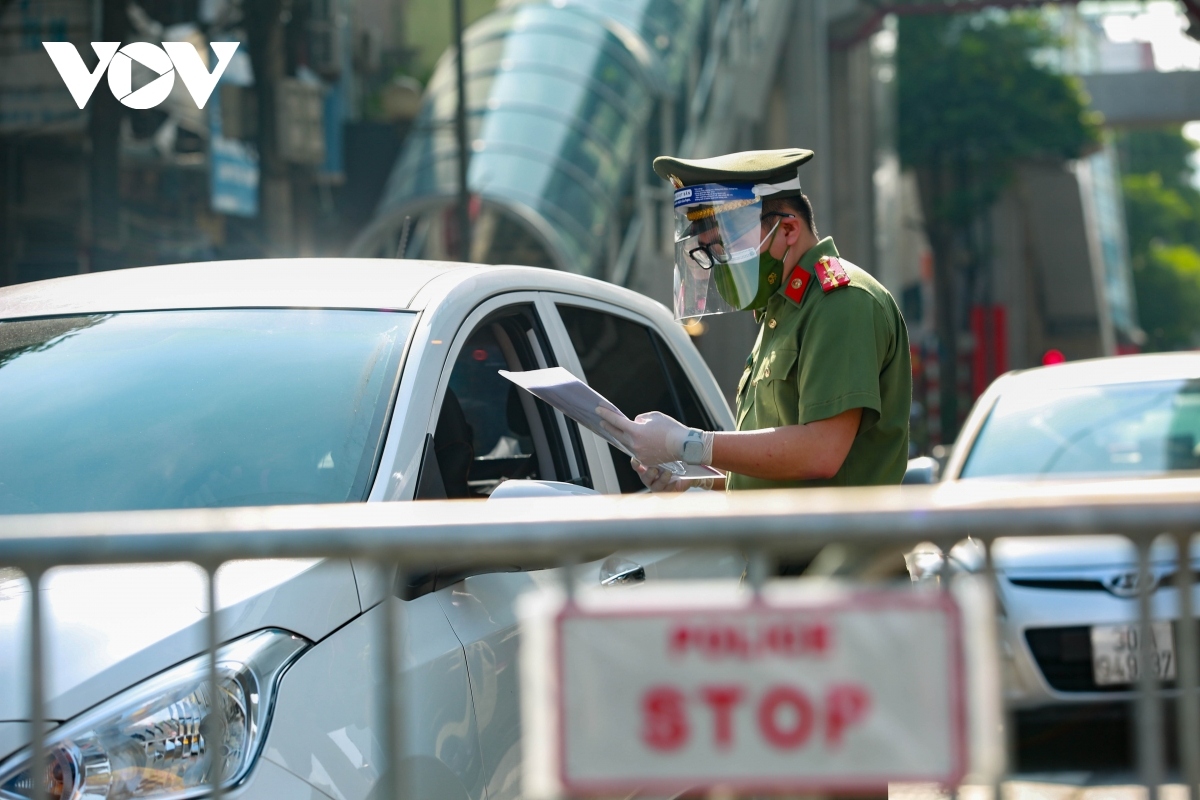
(488, 429)
(632, 366)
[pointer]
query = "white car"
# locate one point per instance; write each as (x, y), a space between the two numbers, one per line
(303, 381)
(1070, 604)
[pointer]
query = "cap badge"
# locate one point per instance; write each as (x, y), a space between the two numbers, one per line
(771, 279)
(831, 274)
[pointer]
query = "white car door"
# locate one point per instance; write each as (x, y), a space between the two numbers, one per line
(488, 430)
(624, 357)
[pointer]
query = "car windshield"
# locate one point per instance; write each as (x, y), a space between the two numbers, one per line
(1127, 429)
(185, 409)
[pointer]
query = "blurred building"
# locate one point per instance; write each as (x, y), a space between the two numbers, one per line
(287, 157)
(334, 132)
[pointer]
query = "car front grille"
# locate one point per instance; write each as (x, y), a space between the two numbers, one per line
(1064, 655)
(1090, 583)
(1062, 584)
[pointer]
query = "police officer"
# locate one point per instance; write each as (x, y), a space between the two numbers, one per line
(824, 399)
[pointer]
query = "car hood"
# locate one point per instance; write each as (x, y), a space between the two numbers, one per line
(107, 628)
(1070, 552)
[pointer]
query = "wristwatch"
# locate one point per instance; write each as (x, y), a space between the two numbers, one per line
(693, 447)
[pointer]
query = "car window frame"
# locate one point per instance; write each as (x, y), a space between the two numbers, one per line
(604, 476)
(569, 359)
(575, 459)
(961, 448)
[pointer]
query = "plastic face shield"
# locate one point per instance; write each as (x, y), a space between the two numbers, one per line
(718, 238)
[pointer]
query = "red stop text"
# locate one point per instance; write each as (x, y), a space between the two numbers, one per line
(783, 717)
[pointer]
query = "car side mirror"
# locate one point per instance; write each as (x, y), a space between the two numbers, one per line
(512, 489)
(921, 470)
(422, 582)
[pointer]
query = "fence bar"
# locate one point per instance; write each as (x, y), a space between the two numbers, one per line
(539, 531)
(392, 774)
(213, 728)
(37, 686)
(759, 568)
(566, 568)
(1188, 672)
(1007, 719)
(1149, 720)
(944, 578)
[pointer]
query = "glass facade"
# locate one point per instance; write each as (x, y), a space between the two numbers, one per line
(1110, 231)
(557, 98)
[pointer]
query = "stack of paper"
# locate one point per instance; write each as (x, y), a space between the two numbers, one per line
(577, 400)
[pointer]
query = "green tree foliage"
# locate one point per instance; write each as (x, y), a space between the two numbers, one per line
(974, 100)
(429, 31)
(1167, 284)
(1162, 214)
(1164, 151)
(1157, 214)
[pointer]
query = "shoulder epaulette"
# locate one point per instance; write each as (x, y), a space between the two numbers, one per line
(831, 274)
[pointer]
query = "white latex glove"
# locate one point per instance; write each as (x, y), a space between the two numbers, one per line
(657, 479)
(653, 438)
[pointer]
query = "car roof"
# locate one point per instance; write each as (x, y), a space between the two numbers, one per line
(356, 283)
(1106, 372)
(253, 283)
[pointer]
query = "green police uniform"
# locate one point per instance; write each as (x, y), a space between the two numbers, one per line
(831, 338)
(824, 353)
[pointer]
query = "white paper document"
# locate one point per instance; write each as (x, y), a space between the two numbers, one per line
(577, 400)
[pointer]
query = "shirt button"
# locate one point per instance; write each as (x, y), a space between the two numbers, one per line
(767, 372)
(771, 324)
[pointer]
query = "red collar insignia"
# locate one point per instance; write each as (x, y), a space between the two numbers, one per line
(796, 284)
(831, 274)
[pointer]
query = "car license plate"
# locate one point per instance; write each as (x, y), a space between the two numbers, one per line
(1116, 655)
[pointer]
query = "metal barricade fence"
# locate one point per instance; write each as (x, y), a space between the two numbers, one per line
(557, 532)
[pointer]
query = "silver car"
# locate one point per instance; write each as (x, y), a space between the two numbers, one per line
(1069, 605)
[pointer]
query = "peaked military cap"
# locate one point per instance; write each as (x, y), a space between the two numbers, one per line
(751, 166)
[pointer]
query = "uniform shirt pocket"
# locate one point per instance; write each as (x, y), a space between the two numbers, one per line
(777, 399)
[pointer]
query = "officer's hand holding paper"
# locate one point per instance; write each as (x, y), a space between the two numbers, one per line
(653, 445)
(657, 479)
(652, 438)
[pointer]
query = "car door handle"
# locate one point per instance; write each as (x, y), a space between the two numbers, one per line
(617, 571)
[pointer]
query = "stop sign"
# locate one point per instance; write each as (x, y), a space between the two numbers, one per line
(663, 692)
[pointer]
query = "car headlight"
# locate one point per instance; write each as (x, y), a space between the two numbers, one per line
(150, 741)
